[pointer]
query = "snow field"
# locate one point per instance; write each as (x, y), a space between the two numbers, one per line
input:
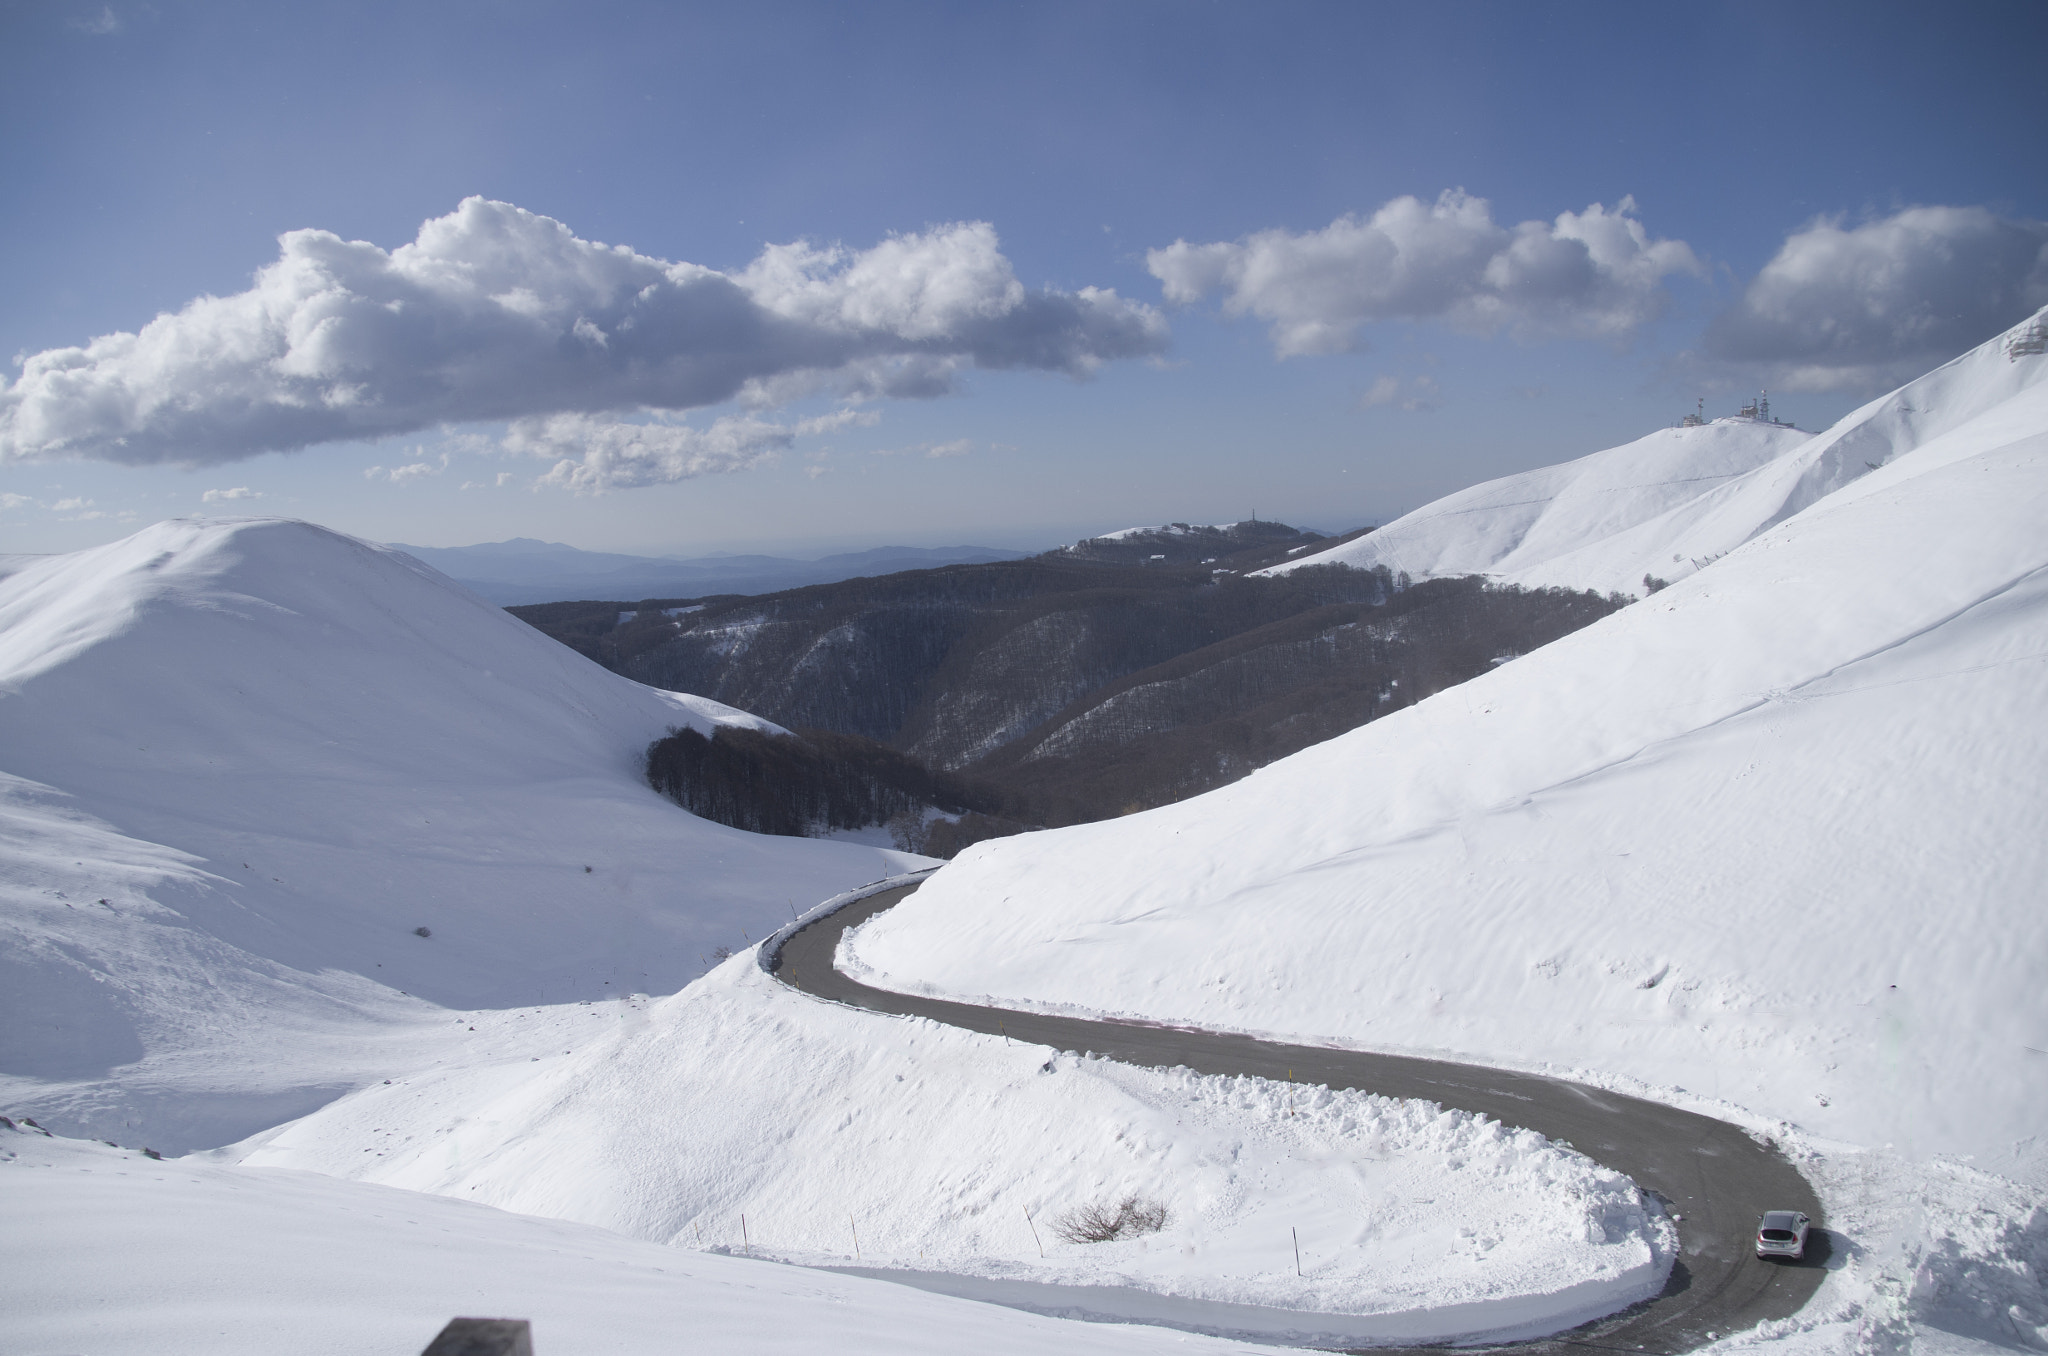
(104, 1251)
(278, 752)
(944, 1150)
(1772, 835)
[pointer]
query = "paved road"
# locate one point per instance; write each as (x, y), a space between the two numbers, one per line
(1715, 1177)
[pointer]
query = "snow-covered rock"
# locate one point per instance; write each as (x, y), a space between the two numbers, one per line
(1774, 835)
(271, 793)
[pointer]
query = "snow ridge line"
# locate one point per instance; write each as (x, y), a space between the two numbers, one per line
(769, 953)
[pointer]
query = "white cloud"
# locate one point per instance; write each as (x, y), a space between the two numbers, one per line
(14, 501)
(72, 505)
(1587, 273)
(221, 496)
(959, 447)
(595, 454)
(411, 471)
(104, 24)
(1865, 307)
(1417, 393)
(495, 313)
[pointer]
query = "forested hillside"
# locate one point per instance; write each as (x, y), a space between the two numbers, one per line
(1118, 674)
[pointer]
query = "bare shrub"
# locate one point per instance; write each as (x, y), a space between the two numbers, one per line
(1101, 1222)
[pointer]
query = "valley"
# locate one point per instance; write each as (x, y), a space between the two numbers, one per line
(336, 905)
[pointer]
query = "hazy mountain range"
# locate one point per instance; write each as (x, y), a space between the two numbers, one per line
(524, 570)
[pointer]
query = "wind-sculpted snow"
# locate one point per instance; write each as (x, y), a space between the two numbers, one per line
(272, 793)
(1669, 504)
(1772, 835)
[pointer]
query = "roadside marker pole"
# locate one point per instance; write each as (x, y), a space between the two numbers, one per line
(856, 1235)
(1034, 1234)
(1297, 1248)
(747, 1243)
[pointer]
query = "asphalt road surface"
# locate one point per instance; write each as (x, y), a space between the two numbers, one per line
(1714, 1178)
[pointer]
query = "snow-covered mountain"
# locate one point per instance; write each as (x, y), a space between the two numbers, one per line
(1668, 504)
(1774, 835)
(271, 794)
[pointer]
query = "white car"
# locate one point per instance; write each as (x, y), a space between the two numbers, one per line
(1782, 1233)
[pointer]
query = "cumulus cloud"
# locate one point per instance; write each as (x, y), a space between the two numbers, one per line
(223, 496)
(1587, 273)
(1867, 306)
(593, 454)
(495, 313)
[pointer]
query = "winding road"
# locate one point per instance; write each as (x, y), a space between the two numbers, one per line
(1713, 1176)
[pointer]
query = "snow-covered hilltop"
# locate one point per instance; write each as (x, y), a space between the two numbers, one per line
(1669, 503)
(1601, 522)
(266, 788)
(1773, 835)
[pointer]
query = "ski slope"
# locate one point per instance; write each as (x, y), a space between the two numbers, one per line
(1670, 503)
(243, 762)
(1771, 838)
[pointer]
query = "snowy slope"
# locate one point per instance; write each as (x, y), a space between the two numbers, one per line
(934, 1149)
(1774, 835)
(1669, 503)
(241, 762)
(1601, 522)
(105, 1251)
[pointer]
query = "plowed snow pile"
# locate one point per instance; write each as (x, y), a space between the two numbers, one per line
(1774, 835)
(269, 794)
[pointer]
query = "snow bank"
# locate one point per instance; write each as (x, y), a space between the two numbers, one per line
(271, 793)
(1773, 835)
(852, 1139)
(1671, 503)
(105, 1251)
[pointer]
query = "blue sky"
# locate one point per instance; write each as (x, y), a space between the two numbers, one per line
(1822, 198)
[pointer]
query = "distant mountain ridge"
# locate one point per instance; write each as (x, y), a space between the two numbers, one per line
(1670, 503)
(525, 570)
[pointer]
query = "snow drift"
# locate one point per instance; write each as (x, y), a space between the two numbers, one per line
(1773, 835)
(271, 793)
(1668, 504)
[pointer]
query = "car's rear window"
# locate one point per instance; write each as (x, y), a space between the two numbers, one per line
(1778, 1235)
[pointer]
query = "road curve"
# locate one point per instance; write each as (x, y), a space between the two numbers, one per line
(1715, 1177)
